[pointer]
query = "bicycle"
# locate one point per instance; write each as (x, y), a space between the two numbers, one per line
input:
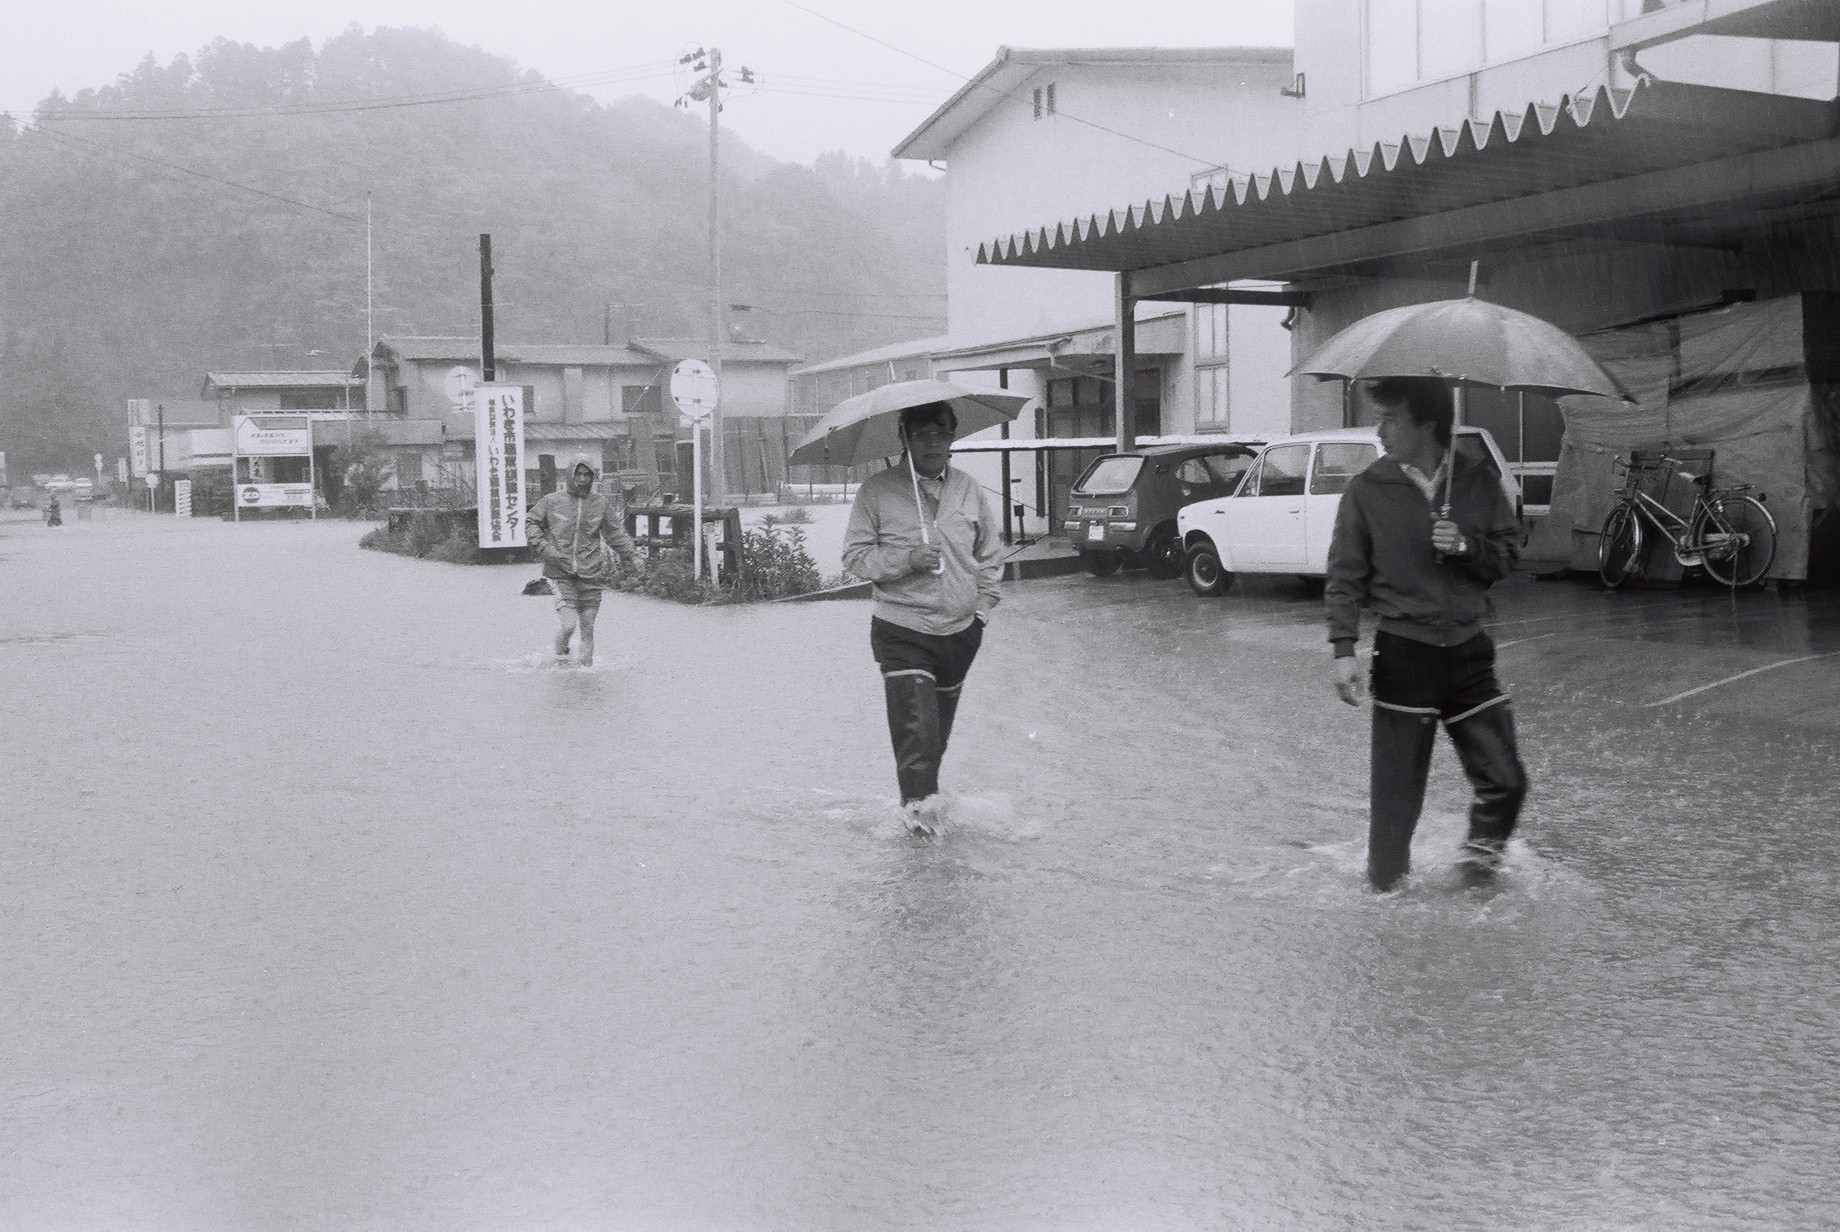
(1729, 533)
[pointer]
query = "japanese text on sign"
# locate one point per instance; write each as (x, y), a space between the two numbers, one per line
(498, 434)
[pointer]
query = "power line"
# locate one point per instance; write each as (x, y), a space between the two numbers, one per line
(1064, 114)
(101, 150)
(634, 73)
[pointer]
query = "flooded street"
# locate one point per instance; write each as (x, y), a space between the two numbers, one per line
(328, 904)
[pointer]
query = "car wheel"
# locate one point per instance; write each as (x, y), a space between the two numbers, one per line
(1100, 564)
(1163, 554)
(1205, 575)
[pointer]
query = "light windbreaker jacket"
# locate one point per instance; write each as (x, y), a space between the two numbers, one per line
(568, 530)
(885, 527)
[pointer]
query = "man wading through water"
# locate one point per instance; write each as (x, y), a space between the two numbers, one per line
(567, 528)
(926, 539)
(1423, 555)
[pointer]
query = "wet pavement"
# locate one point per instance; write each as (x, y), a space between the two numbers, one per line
(329, 904)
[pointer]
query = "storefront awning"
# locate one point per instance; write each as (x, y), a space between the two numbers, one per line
(1080, 350)
(1664, 163)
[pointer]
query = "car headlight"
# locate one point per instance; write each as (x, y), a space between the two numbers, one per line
(1124, 526)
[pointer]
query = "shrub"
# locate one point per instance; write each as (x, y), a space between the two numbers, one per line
(773, 567)
(795, 515)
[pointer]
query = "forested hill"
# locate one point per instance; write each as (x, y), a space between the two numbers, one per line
(210, 214)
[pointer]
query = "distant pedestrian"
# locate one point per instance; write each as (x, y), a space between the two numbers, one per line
(923, 535)
(54, 513)
(1426, 570)
(573, 530)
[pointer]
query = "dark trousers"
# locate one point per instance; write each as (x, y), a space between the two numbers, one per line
(922, 677)
(1416, 686)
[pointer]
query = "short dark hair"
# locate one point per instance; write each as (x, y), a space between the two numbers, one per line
(1427, 399)
(926, 413)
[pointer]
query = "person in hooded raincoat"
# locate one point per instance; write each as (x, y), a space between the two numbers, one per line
(934, 591)
(573, 529)
(54, 513)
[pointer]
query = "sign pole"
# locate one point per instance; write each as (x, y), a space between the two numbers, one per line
(696, 501)
(312, 479)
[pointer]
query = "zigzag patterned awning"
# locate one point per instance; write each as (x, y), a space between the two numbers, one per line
(1593, 139)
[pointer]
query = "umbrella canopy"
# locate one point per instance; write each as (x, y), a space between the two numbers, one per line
(868, 426)
(1465, 341)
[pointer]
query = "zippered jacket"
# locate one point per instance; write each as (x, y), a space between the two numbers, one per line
(1381, 556)
(568, 531)
(885, 527)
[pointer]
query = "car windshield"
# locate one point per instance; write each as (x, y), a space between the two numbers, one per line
(1110, 475)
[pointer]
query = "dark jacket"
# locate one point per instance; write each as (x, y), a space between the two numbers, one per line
(567, 530)
(1381, 556)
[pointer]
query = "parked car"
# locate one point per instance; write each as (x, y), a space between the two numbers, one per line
(1123, 509)
(1280, 518)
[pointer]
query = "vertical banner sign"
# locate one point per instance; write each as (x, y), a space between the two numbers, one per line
(182, 498)
(137, 448)
(121, 470)
(498, 436)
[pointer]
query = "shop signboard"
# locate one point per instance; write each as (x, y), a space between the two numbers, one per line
(137, 448)
(498, 450)
(182, 498)
(274, 495)
(271, 437)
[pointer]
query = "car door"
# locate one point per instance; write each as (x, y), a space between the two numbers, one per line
(1335, 464)
(1265, 522)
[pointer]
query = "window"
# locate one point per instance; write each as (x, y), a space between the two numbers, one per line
(1210, 332)
(408, 465)
(641, 400)
(310, 399)
(1211, 397)
(1336, 464)
(616, 455)
(1281, 471)
(1229, 468)
(1193, 472)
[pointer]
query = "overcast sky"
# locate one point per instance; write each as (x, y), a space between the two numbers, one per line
(856, 75)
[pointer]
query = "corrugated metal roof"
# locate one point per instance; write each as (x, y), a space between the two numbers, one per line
(1589, 140)
(735, 350)
(466, 350)
(311, 379)
(919, 348)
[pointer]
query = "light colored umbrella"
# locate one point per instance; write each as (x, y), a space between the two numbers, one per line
(868, 426)
(1468, 342)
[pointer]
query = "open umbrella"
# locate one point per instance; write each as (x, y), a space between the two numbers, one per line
(868, 426)
(1468, 342)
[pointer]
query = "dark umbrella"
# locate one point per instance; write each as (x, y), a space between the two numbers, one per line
(868, 426)
(1468, 342)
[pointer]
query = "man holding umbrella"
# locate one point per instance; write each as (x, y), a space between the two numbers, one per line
(924, 535)
(1420, 537)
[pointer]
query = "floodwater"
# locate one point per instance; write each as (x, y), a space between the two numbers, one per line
(329, 905)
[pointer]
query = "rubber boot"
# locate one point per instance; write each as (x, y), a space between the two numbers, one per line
(1486, 746)
(948, 710)
(1396, 791)
(913, 729)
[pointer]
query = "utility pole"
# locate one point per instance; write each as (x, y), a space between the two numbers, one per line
(487, 360)
(708, 89)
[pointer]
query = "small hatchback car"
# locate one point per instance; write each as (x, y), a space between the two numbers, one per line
(1123, 509)
(1280, 518)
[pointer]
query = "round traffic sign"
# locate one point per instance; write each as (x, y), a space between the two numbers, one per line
(153, 479)
(695, 389)
(459, 385)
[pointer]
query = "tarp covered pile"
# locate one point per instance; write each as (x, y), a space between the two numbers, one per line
(1732, 380)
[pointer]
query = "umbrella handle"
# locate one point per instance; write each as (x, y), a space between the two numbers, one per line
(919, 508)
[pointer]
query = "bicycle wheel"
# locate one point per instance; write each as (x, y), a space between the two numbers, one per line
(1618, 546)
(1738, 536)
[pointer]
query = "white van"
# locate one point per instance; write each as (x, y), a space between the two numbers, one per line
(1281, 516)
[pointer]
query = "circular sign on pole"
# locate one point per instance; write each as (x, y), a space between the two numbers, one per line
(459, 385)
(153, 479)
(694, 389)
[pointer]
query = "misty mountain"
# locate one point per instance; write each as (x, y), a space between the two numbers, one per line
(210, 214)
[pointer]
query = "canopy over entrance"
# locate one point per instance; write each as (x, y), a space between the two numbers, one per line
(1662, 163)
